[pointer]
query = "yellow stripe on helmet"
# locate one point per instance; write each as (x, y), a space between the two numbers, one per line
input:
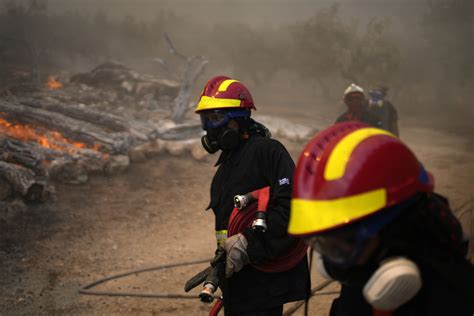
(339, 157)
(310, 216)
(225, 84)
(209, 103)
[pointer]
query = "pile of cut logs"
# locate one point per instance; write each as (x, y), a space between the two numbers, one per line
(43, 139)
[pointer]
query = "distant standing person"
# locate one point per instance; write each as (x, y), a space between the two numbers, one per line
(357, 109)
(384, 109)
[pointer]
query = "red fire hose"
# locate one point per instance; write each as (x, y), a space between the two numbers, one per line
(217, 307)
(243, 218)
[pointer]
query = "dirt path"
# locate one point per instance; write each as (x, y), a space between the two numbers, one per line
(151, 215)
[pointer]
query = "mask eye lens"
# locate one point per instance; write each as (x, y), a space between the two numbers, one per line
(213, 119)
(339, 247)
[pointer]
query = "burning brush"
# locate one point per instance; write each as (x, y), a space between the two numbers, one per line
(53, 83)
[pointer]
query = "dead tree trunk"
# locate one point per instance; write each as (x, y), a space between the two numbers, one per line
(189, 79)
(193, 68)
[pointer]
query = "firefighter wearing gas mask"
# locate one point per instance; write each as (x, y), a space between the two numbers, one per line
(366, 205)
(249, 160)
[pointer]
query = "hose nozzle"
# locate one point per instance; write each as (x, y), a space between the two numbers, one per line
(260, 222)
(241, 201)
(207, 293)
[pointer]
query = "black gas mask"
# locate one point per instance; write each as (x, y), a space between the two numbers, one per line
(218, 134)
(383, 274)
(223, 138)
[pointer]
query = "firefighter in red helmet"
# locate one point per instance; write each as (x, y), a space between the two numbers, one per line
(366, 205)
(249, 160)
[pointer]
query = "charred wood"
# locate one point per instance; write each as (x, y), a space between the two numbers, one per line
(117, 77)
(5, 189)
(23, 181)
(67, 171)
(32, 155)
(106, 121)
(24, 153)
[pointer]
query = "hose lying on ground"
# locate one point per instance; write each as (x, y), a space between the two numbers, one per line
(86, 289)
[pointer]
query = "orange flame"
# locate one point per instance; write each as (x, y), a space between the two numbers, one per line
(53, 83)
(46, 138)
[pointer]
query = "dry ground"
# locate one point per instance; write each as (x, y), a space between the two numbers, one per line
(153, 214)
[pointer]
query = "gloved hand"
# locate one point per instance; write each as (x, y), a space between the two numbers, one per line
(236, 250)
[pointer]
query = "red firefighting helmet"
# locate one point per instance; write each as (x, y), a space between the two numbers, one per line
(348, 172)
(221, 92)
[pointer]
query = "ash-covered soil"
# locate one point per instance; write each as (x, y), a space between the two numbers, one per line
(153, 214)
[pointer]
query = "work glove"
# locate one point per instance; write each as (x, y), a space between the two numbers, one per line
(236, 250)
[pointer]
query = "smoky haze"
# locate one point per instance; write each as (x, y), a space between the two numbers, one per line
(295, 55)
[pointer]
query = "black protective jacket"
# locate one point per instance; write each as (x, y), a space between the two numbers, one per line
(387, 115)
(258, 162)
(429, 235)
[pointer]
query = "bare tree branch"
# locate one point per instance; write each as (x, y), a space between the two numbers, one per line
(172, 49)
(193, 68)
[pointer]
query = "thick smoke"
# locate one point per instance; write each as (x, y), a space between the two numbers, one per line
(294, 52)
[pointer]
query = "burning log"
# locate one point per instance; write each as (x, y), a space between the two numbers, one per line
(53, 83)
(22, 181)
(63, 164)
(49, 163)
(81, 131)
(34, 156)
